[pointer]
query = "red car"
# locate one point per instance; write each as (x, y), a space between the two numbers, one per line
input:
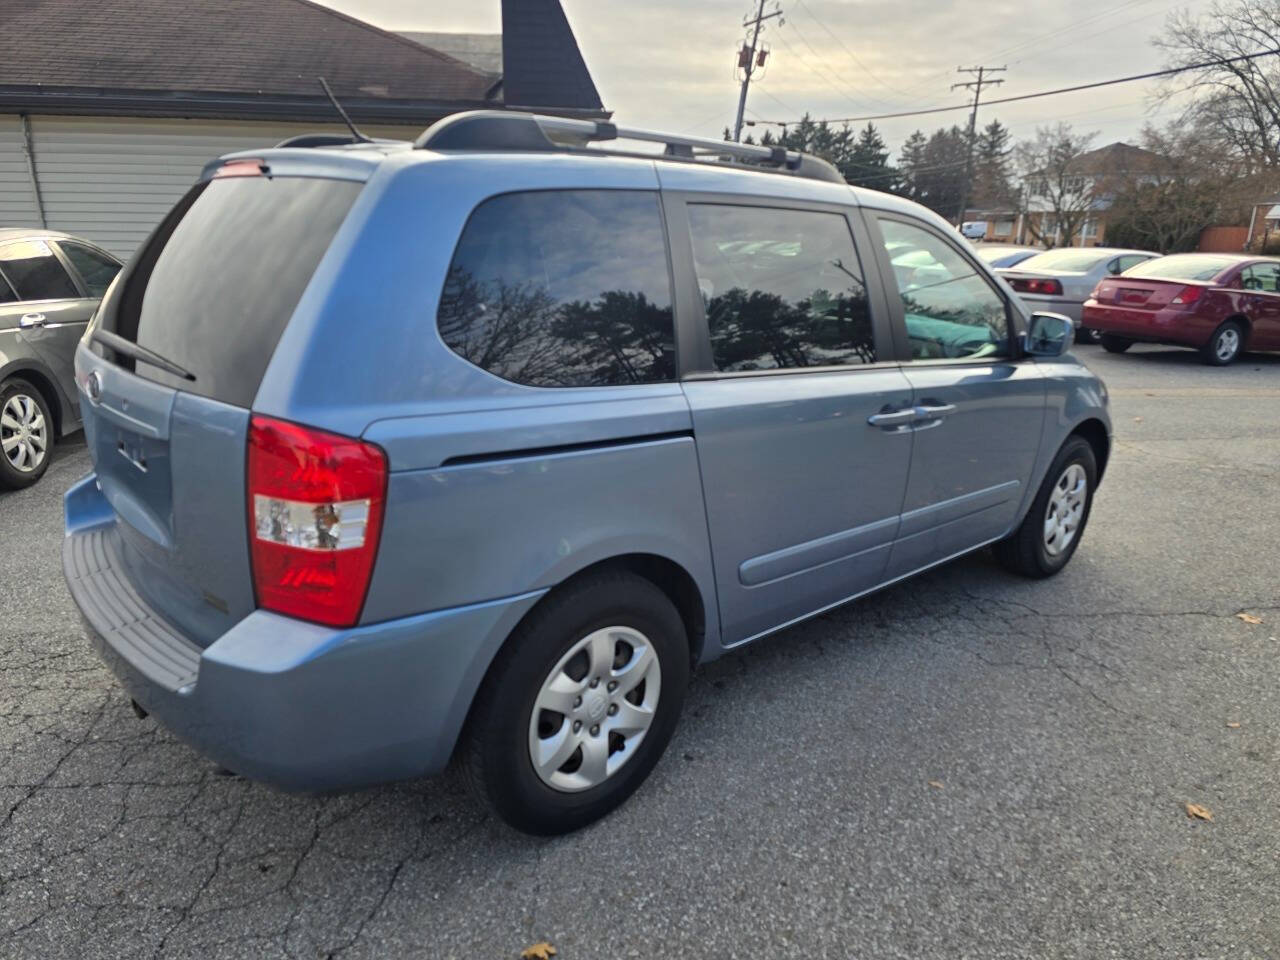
(1221, 304)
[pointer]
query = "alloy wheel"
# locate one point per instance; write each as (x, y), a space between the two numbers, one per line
(1228, 344)
(23, 433)
(1065, 510)
(594, 709)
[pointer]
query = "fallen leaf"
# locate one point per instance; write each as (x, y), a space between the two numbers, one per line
(1197, 812)
(1249, 618)
(1233, 724)
(539, 951)
(936, 784)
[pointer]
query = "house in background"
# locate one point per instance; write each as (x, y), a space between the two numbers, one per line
(1090, 181)
(1264, 226)
(1002, 224)
(109, 110)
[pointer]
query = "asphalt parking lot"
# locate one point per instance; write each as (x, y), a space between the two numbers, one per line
(966, 765)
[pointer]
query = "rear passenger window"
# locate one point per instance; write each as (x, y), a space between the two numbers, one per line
(950, 310)
(563, 288)
(782, 288)
(96, 269)
(35, 273)
(1261, 276)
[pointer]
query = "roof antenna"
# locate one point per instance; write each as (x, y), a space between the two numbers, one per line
(355, 134)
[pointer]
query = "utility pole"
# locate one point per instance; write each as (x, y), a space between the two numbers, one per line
(751, 59)
(976, 86)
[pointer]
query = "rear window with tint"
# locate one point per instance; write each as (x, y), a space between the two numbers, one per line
(223, 275)
(1186, 267)
(563, 288)
(1068, 261)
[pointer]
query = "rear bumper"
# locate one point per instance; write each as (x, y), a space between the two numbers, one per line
(1155, 326)
(294, 704)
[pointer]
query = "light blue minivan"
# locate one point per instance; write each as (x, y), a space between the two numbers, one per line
(473, 447)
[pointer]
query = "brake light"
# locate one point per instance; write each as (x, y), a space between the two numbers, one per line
(1037, 285)
(315, 514)
(1187, 295)
(241, 168)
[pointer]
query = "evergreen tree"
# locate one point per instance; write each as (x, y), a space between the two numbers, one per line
(868, 163)
(993, 150)
(911, 160)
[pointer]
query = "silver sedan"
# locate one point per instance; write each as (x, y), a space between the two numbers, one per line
(1061, 280)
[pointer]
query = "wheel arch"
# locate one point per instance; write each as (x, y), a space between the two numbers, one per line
(43, 381)
(676, 582)
(1244, 321)
(1095, 432)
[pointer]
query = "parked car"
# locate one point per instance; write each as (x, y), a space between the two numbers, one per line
(1061, 280)
(1220, 304)
(1004, 254)
(369, 495)
(50, 284)
(973, 229)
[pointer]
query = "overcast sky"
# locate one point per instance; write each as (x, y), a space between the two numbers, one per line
(670, 63)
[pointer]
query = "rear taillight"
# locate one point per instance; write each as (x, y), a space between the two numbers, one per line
(1037, 285)
(1187, 296)
(315, 514)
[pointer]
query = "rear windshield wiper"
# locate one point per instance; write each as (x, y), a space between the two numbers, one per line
(130, 349)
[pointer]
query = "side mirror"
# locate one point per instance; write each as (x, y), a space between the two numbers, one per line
(1048, 335)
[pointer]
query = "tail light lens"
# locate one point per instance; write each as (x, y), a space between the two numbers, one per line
(1187, 296)
(315, 514)
(1037, 285)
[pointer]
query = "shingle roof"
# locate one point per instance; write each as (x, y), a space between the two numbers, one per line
(250, 48)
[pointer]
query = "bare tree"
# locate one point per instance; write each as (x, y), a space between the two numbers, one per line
(1057, 185)
(1238, 102)
(1187, 185)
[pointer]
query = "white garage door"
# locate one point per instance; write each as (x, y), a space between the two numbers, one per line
(111, 180)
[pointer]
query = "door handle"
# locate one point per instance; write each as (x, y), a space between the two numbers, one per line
(934, 411)
(893, 420)
(29, 320)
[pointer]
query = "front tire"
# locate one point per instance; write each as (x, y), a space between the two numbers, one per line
(1225, 346)
(26, 434)
(1050, 533)
(579, 704)
(1113, 344)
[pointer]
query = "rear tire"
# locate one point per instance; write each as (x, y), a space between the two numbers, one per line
(26, 434)
(526, 709)
(1225, 346)
(1050, 533)
(1113, 344)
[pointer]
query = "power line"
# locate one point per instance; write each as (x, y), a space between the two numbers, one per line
(1043, 93)
(1055, 34)
(852, 56)
(815, 70)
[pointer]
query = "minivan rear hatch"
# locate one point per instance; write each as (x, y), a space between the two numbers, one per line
(210, 293)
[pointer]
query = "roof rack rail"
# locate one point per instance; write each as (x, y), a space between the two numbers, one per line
(511, 130)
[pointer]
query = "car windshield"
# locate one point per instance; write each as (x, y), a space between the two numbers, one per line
(1065, 260)
(1185, 267)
